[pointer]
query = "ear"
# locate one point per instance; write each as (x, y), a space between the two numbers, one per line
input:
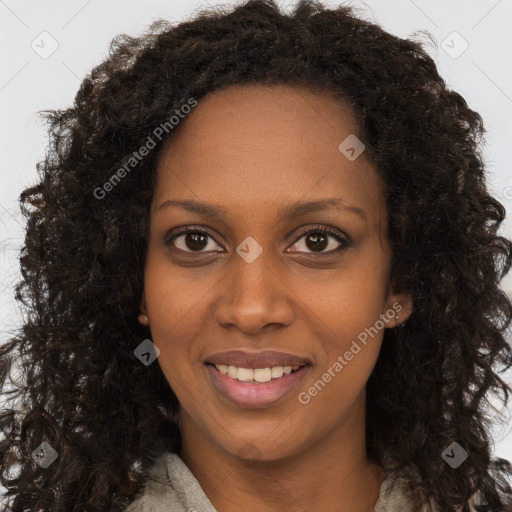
(399, 305)
(143, 316)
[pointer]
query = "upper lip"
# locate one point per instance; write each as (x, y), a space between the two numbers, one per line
(261, 359)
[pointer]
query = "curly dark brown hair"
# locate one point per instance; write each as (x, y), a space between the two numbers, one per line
(81, 389)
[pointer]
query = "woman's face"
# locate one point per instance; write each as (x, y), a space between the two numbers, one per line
(256, 281)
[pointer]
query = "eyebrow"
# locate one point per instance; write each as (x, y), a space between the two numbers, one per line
(287, 212)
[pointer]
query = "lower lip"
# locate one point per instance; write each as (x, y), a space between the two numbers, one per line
(256, 394)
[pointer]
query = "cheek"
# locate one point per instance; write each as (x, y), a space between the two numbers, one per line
(351, 302)
(175, 297)
(169, 294)
(172, 309)
(345, 359)
(352, 307)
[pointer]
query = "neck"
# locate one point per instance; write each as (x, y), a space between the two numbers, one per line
(332, 474)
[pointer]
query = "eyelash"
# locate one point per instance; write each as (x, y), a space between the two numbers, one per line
(316, 229)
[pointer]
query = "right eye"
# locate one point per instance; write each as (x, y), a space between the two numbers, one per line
(191, 240)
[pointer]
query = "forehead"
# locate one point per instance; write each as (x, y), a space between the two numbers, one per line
(269, 118)
(252, 146)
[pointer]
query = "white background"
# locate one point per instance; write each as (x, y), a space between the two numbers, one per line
(83, 30)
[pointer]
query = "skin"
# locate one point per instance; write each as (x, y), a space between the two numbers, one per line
(251, 150)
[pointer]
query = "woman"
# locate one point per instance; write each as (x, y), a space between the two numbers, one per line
(263, 269)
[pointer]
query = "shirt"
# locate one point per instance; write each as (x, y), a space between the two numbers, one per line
(171, 487)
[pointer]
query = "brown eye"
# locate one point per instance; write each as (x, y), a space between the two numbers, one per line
(317, 240)
(192, 240)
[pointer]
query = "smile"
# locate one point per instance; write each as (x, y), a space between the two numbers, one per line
(255, 387)
(257, 374)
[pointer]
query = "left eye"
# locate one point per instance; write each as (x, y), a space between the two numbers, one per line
(195, 240)
(318, 238)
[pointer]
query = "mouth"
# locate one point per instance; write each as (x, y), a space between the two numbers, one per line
(256, 374)
(255, 387)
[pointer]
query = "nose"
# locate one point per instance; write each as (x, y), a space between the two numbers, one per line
(253, 297)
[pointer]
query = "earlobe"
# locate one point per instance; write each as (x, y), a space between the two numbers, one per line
(401, 305)
(143, 316)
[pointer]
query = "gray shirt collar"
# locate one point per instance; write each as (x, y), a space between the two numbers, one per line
(171, 486)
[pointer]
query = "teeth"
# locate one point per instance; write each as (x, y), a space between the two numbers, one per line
(258, 374)
(262, 374)
(245, 374)
(276, 372)
(232, 371)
